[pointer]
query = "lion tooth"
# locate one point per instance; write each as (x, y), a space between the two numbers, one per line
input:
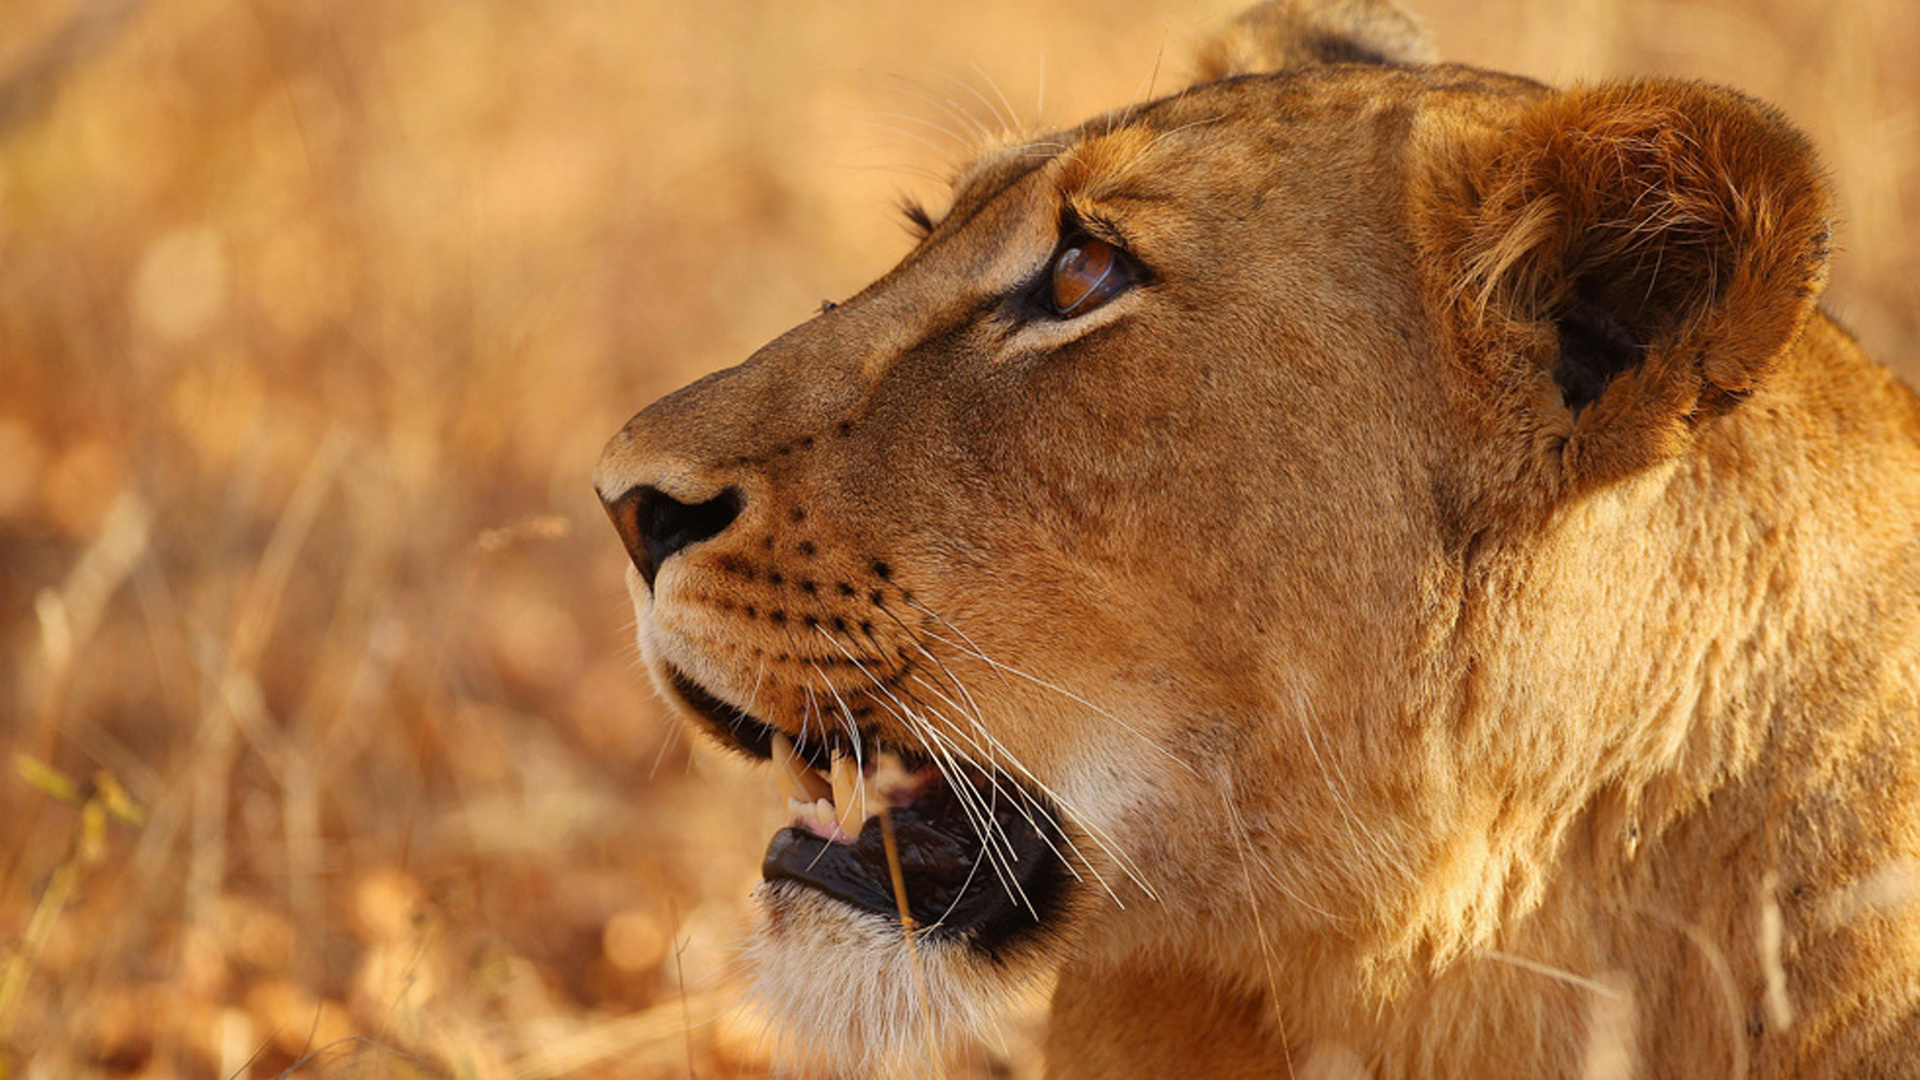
(784, 768)
(795, 779)
(849, 794)
(821, 814)
(816, 812)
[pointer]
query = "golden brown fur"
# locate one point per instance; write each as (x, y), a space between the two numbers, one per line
(1465, 600)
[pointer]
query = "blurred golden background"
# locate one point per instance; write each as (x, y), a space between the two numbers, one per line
(326, 747)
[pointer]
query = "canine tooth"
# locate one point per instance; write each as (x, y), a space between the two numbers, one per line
(849, 794)
(784, 768)
(795, 779)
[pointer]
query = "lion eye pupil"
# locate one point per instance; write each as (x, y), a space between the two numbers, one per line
(1086, 274)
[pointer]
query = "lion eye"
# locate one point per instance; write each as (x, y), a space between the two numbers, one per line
(1086, 274)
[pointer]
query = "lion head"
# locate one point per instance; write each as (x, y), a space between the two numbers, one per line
(1289, 549)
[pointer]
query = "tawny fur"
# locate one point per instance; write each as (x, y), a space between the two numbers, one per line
(1409, 720)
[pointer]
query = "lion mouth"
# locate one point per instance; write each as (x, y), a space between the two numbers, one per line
(979, 856)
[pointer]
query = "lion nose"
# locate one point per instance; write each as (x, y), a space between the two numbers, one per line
(655, 526)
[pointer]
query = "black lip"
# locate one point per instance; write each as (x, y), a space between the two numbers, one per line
(954, 889)
(740, 729)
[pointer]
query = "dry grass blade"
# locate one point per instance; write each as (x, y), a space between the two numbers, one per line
(99, 802)
(71, 615)
(909, 936)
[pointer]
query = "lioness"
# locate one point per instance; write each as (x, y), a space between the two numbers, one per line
(1365, 566)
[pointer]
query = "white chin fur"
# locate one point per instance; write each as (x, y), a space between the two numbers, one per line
(841, 985)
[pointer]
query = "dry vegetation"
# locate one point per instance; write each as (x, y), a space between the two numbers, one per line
(313, 317)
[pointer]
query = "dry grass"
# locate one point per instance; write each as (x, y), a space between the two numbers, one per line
(313, 317)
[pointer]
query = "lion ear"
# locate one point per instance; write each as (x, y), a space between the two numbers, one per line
(1651, 248)
(1282, 34)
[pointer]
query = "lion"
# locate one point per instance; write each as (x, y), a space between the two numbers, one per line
(1360, 567)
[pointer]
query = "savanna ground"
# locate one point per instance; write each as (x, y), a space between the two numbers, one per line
(324, 741)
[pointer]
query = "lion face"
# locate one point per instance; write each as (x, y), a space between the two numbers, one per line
(1011, 512)
(1118, 542)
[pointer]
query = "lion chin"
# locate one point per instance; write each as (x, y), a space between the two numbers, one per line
(1362, 567)
(853, 993)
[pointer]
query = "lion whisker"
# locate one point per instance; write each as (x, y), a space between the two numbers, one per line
(1143, 95)
(1024, 804)
(1224, 786)
(978, 814)
(1017, 797)
(1560, 974)
(1012, 121)
(1342, 792)
(1009, 125)
(974, 651)
(1099, 836)
(1243, 845)
(960, 137)
(1094, 832)
(905, 133)
(944, 104)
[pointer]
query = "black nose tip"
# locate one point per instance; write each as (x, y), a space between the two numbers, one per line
(656, 526)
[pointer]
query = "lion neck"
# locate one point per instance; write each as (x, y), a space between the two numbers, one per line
(1684, 644)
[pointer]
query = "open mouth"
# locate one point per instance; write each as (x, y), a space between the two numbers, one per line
(978, 856)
